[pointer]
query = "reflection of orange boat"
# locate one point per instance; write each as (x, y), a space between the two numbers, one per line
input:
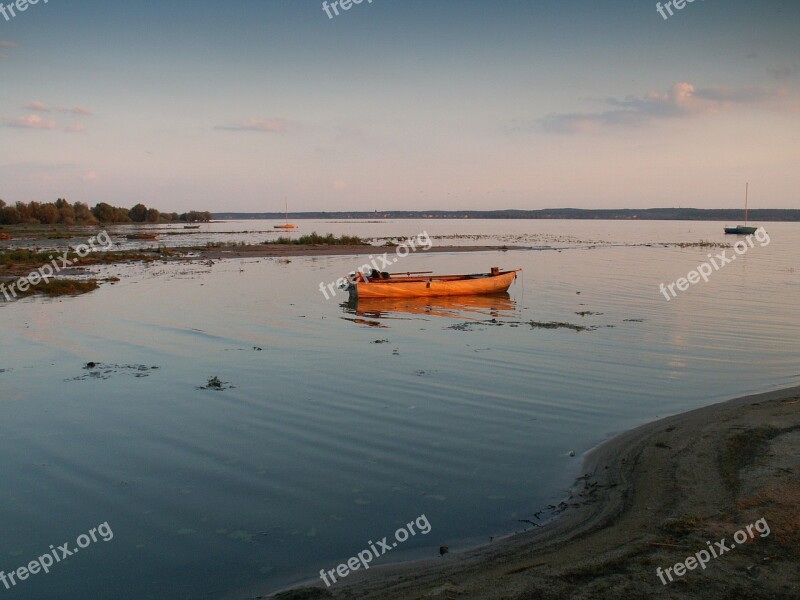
(494, 305)
(142, 236)
(4, 236)
(415, 286)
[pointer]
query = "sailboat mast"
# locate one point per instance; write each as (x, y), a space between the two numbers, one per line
(746, 189)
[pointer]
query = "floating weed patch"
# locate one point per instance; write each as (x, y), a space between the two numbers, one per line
(216, 384)
(478, 325)
(560, 325)
(472, 325)
(96, 370)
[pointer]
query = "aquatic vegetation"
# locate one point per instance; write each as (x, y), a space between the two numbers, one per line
(558, 325)
(65, 287)
(226, 244)
(216, 384)
(55, 288)
(471, 325)
(314, 238)
(97, 370)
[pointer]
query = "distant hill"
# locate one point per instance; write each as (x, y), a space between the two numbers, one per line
(646, 214)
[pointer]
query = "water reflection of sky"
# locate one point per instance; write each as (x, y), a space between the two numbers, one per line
(336, 431)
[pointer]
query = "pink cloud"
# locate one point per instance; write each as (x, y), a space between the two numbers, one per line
(37, 106)
(7, 44)
(264, 125)
(75, 128)
(29, 122)
(682, 100)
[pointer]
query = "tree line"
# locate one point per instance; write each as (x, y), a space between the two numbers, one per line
(62, 212)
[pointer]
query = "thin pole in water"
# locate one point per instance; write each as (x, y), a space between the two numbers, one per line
(746, 189)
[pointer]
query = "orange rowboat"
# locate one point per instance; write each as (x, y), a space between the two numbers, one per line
(416, 286)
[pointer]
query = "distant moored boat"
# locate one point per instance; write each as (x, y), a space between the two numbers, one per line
(286, 225)
(742, 229)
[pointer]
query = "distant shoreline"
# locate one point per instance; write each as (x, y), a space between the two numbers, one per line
(732, 215)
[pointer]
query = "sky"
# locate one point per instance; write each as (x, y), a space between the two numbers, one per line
(401, 104)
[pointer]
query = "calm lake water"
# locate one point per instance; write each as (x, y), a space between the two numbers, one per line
(343, 423)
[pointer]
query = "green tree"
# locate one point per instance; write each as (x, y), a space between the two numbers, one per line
(103, 212)
(34, 208)
(66, 214)
(24, 212)
(83, 214)
(138, 214)
(9, 215)
(48, 214)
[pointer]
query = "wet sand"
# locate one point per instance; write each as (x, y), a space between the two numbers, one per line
(653, 496)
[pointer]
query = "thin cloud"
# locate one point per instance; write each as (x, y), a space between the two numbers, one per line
(7, 44)
(683, 100)
(37, 106)
(78, 110)
(263, 125)
(29, 122)
(75, 128)
(784, 72)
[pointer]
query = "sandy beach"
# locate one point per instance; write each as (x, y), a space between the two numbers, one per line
(651, 497)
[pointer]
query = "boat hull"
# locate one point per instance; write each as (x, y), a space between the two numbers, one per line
(419, 287)
(741, 230)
